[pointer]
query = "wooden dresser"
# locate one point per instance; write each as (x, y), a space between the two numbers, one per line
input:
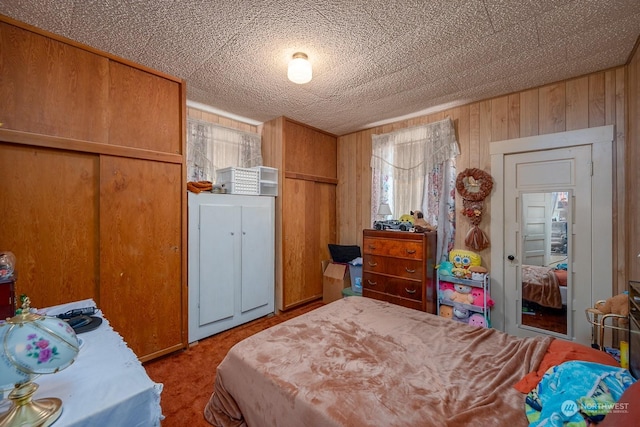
(399, 267)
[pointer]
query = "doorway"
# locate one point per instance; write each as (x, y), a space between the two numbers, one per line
(551, 232)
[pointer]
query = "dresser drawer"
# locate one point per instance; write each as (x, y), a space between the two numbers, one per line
(416, 305)
(409, 268)
(394, 286)
(393, 248)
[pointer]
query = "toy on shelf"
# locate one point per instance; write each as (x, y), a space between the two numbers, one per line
(478, 295)
(446, 290)
(478, 319)
(445, 268)
(462, 293)
(446, 311)
(464, 289)
(462, 260)
(460, 313)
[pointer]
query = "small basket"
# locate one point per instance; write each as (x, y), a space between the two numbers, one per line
(239, 180)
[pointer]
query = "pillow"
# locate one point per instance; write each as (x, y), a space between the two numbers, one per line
(560, 351)
(627, 411)
(562, 277)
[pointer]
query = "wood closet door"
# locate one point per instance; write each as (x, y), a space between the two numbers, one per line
(309, 225)
(48, 219)
(140, 252)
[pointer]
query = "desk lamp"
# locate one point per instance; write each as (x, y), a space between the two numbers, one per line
(32, 345)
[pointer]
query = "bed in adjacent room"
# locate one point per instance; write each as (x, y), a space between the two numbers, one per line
(363, 362)
(545, 286)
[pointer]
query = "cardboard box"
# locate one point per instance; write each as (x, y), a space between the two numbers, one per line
(335, 278)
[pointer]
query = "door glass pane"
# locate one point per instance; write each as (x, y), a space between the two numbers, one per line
(544, 268)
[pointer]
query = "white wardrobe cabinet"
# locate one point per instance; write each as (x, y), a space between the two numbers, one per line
(231, 261)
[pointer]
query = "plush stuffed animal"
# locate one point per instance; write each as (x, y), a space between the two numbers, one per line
(460, 314)
(420, 223)
(618, 304)
(478, 319)
(478, 298)
(445, 268)
(406, 218)
(462, 294)
(446, 311)
(446, 290)
(462, 259)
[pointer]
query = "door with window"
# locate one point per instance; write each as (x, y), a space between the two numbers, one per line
(550, 289)
(551, 231)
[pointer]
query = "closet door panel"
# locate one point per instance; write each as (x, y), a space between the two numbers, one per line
(144, 110)
(49, 220)
(140, 252)
(49, 87)
(309, 227)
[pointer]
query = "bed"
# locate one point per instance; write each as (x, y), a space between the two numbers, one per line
(545, 286)
(359, 361)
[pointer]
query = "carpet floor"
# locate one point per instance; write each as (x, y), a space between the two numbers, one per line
(188, 376)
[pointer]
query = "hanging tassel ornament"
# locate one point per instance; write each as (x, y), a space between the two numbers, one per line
(474, 185)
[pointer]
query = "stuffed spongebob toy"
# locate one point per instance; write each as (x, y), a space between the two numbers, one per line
(462, 259)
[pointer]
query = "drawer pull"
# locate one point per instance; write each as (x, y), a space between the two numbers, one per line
(410, 270)
(410, 291)
(372, 283)
(372, 247)
(372, 264)
(411, 251)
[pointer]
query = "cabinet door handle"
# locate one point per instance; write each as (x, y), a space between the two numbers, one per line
(372, 264)
(410, 291)
(411, 251)
(409, 270)
(372, 283)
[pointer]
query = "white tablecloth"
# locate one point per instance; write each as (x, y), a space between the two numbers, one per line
(105, 386)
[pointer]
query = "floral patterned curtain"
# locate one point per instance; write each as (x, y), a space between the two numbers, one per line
(211, 147)
(414, 168)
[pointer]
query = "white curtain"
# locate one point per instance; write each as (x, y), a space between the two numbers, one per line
(412, 169)
(211, 147)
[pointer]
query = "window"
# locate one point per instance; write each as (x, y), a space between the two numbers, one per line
(211, 147)
(414, 169)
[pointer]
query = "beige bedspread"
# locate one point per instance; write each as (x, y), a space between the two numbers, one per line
(362, 362)
(540, 285)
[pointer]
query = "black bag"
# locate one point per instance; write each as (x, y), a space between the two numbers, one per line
(344, 253)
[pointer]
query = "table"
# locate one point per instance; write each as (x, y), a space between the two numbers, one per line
(105, 386)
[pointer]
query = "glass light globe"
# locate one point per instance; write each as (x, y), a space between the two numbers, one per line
(31, 345)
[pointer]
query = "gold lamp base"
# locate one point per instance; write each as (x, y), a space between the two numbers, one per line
(27, 412)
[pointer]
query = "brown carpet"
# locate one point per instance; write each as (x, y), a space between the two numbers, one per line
(188, 375)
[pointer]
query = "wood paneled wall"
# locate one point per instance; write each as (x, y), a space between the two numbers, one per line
(593, 100)
(195, 113)
(633, 171)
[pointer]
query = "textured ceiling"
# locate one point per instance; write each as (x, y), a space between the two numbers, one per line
(373, 60)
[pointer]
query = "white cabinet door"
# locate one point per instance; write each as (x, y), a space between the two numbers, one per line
(231, 261)
(219, 261)
(258, 256)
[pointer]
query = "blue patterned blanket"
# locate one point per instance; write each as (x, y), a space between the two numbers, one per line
(575, 394)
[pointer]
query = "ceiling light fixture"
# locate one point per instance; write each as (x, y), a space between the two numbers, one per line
(299, 69)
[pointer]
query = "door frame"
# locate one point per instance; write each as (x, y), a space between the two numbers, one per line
(601, 141)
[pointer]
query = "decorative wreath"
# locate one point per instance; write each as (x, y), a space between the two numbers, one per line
(474, 184)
